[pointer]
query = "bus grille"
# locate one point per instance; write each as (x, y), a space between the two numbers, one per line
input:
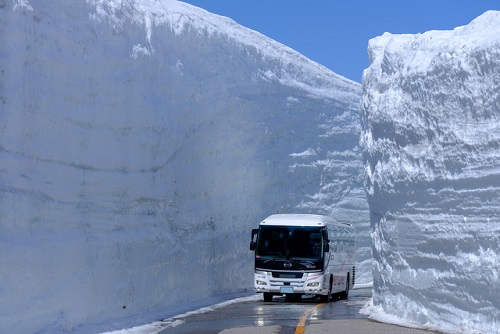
(287, 275)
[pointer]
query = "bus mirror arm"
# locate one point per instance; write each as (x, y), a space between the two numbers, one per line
(327, 246)
(253, 242)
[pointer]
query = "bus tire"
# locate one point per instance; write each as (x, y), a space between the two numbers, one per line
(268, 297)
(326, 299)
(345, 293)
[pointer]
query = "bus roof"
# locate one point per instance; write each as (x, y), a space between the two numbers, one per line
(299, 220)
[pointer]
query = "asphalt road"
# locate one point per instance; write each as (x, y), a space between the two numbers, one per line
(306, 316)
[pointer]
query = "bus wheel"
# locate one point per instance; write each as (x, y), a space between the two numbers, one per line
(326, 299)
(345, 294)
(268, 297)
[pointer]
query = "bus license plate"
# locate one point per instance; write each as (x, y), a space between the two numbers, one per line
(286, 289)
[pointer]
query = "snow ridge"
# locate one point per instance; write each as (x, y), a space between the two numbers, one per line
(290, 68)
(430, 138)
(140, 142)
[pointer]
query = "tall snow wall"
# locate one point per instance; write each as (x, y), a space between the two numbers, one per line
(431, 149)
(140, 141)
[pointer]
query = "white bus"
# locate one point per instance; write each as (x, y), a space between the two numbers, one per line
(297, 254)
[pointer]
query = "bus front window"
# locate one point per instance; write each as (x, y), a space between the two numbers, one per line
(291, 243)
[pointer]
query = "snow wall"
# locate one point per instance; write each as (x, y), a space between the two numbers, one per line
(140, 142)
(431, 149)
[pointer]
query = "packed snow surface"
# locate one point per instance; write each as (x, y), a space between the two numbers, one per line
(431, 148)
(140, 142)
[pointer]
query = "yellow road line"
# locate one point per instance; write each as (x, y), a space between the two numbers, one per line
(301, 326)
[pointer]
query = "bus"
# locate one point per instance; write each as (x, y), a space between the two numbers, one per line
(303, 254)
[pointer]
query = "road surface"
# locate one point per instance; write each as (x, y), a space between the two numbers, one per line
(306, 316)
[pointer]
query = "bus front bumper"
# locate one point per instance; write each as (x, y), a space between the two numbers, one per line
(309, 283)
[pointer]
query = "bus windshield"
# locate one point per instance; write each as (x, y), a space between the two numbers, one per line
(290, 242)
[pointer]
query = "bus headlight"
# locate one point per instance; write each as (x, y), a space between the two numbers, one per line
(314, 284)
(259, 282)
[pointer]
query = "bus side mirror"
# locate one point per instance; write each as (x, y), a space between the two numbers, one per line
(326, 241)
(253, 241)
(327, 247)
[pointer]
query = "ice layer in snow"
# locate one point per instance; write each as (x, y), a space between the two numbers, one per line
(431, 149)
(140, 142)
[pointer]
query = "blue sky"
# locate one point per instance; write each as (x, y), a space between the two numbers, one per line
(335, 33)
